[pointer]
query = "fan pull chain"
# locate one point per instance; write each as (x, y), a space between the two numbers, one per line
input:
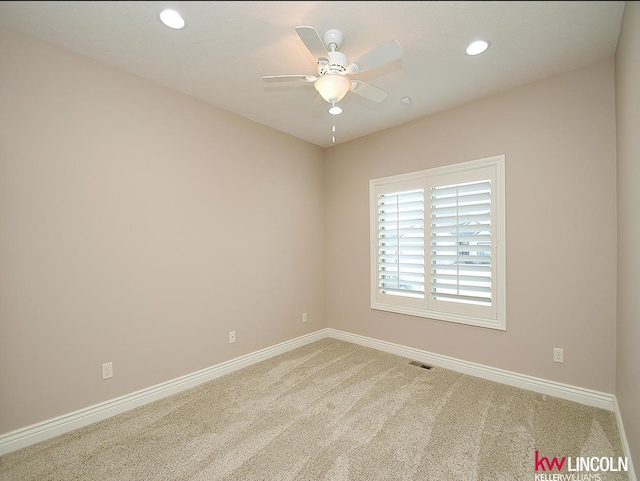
(333, 127)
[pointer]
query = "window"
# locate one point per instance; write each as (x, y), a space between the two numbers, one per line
(437, 243)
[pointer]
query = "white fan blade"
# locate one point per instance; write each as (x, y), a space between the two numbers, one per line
(312, 41)
(376, 57)
(279, 78)
(368, 91)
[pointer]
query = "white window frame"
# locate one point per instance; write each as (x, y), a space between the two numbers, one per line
(493, 317)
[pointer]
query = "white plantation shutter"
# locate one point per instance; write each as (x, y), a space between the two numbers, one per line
(401, 266)
(461, 249)
(437, 243)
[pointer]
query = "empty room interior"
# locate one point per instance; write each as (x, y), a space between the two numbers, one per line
(319, 240)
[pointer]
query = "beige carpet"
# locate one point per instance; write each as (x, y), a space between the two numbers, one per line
(330, 410)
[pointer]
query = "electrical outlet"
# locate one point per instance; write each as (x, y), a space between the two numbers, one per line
(107, 370)
(558, 354)
(232, 337)
(304, 317)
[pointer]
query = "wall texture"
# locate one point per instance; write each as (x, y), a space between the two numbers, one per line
(628, 171)
(558, 136)
(140, 226)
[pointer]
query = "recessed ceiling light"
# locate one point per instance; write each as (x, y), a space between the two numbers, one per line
(477, 47)
(172, 19)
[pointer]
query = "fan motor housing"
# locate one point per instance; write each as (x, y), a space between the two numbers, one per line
(333, 39)
(338, 62)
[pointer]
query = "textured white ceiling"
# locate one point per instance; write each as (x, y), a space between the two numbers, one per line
(226, 48)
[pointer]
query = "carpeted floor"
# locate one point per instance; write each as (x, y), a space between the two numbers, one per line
(330, 410)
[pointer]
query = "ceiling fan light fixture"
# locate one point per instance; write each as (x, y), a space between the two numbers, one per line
(477, 47)
(172, 19)
(332, 87)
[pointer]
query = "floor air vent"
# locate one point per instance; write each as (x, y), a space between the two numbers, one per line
(419, 364)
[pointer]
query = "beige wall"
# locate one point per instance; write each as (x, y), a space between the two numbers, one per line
(628, 130)
(140, 226)
(558, 136)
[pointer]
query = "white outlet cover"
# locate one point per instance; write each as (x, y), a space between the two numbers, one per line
(107, 370)
(558, 354)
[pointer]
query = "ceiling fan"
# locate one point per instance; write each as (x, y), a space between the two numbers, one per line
(332, 78)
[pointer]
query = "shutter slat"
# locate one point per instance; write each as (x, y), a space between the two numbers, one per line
(401, 197)
(461, 220)
(402, 216)
(464, 252)
(404, 259)
(404, 267)
(402, 292)
(457, 287)
(482, 198)
(408, 243)
(464, 299)
(400, 206)
(395, 284)
(446, 253)
(401, 223)
(442, 231)
(471, 269)
(480, 238)
(463, 259)
(461, 278)
(462, 189)
(461, 210)
(408, 250)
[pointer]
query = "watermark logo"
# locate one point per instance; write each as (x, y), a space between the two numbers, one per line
(577, 469)
(542, 464)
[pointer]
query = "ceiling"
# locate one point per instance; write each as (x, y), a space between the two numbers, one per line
(226, 48)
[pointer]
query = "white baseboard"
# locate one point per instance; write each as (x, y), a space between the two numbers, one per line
(623, 437)
(42, 431)
(543, 386)
(48, 429)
